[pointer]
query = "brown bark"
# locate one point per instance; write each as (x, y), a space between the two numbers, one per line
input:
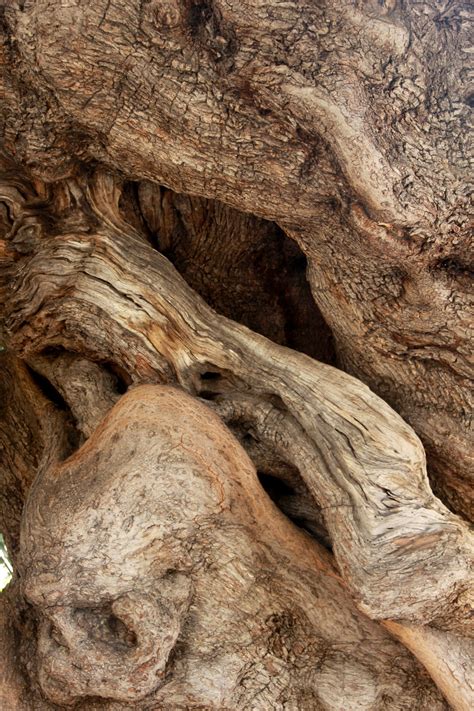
(244, 267)
(178, 514)
(333, 121)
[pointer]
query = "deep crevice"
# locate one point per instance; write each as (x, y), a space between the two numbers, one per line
(48, 389)
(469, 100)
(295, 502)
(72, 435)
(275, 487)
(119, 375)
(210, 375)
(244, 267)
(455, 267)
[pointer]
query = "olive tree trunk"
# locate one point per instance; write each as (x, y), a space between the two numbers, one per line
(236, 331)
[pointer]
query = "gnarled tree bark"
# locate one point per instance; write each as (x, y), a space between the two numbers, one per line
(170, 172)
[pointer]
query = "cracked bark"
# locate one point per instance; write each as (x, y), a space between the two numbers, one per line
(333, 121)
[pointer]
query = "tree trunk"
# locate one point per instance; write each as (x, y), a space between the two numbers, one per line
(221, 222)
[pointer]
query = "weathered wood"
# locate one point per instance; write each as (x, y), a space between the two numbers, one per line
(33, 433)
(345, 122)
(121, 301)
(447, 657)
(245, 268)
(89, 390)
(157, 567)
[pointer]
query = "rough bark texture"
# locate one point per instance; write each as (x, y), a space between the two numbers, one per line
(174, 174)
(198, 568)
(244, 267)
(347, 123)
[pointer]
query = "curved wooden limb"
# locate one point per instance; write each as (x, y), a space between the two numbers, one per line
(447, 657)
(88, 389)
(108, 294)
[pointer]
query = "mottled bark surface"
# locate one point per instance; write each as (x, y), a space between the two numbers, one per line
(232, 198)
(345, 123)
